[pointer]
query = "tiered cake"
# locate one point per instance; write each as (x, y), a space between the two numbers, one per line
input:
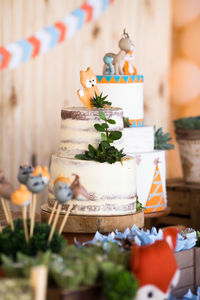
(112, 187)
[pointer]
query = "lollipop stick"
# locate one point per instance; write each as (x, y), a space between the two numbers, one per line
(33, 214)
(55, 221)
(31, 206)
(66, 216)
(10, 215)
(5, 210)
(0, 229)
(52, 212)
(24, 216)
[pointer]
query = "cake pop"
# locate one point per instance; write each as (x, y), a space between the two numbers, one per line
(22, 197)
(6, 190)
(63, 179)
(35, 184)
(24, 171)
(79, 192)
(63, 194)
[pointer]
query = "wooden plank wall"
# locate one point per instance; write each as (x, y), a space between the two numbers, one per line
(31, 95)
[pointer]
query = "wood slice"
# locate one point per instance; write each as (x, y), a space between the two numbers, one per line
(91, 224)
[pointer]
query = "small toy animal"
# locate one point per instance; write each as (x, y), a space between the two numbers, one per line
(108, 66)
(6, 188)
(89, 82)
(155, 267)
(21, 196)
(125, 45)
(79, 192)
(35, 183)
(23, 173)
(129, 68)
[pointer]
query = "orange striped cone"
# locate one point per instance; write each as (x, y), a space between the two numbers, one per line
(156, 200)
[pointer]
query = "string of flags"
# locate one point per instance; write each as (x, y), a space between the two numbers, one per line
(47, 38)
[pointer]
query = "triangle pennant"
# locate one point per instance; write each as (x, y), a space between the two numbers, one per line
(99, 78)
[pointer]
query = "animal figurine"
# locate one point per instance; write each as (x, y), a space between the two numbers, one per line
(125, 45)
(129, 68)
(155, 267)
(79, 192)
(89, 82)
(108, 66)
(6, 188)
(24, 171)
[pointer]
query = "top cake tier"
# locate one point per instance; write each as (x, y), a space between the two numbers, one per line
(77, 128)
(125, 91)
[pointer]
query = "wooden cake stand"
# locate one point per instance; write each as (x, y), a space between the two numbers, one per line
(83, 227)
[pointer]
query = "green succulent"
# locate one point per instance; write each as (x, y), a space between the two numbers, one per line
(161, 140)
(105, 152)
(188, 123)
(99, 101)
(126, 122)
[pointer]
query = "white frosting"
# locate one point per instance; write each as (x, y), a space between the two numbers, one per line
(112, 186)
(138, 139)
(145, 172)
(76, 134)
(128, 96)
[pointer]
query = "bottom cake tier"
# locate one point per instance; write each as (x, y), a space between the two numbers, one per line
(112, 187)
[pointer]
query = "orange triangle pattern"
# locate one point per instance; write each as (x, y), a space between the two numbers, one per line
(156, 199)
(119, 78)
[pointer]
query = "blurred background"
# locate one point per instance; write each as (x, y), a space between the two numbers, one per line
(166, 34)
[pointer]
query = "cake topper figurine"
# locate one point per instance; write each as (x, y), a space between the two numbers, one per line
(6, 190)
(129, 68)
(22, 197)
(118, 60)
(89, 82)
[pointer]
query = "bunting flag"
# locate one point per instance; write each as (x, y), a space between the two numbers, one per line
(42, 41)
(156, 200)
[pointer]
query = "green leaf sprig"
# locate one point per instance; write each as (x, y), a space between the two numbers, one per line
(99, 101)
(105, 152)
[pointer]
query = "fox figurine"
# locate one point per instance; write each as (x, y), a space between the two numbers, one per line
(155, 267)
(129, 68)
(89, 82)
